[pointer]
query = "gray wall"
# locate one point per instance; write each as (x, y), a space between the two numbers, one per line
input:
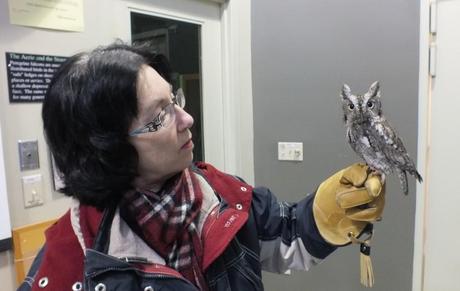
(303, 51)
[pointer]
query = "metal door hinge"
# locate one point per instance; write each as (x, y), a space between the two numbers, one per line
(433, 16)
(432, 61)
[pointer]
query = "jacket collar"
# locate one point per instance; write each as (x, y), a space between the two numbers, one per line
(222, 225)
(219, 227)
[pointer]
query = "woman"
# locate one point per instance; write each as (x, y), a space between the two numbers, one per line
(144, 217)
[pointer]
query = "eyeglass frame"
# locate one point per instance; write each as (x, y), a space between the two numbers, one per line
(156, 123)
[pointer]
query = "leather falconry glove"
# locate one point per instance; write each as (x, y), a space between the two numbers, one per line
(347, 202)
(345, 205)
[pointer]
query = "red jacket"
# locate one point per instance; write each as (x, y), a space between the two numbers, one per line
(61, 261)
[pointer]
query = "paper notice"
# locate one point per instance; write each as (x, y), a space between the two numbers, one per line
(53, 14)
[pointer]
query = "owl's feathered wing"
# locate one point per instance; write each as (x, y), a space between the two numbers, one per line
(381, 133)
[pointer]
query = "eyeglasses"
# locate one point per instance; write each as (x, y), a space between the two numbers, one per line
(166, 116)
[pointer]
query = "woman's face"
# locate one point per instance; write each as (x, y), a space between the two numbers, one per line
(169, 150)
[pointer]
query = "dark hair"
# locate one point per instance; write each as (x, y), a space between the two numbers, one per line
(87, 112)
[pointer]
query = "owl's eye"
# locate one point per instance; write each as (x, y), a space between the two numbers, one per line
(370, 104)
(351, 106)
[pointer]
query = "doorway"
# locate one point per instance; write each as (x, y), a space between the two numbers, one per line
(180, 42)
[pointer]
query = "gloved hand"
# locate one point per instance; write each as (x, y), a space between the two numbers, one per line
(346, 202)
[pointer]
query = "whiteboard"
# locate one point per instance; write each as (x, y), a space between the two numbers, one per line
(5, 225)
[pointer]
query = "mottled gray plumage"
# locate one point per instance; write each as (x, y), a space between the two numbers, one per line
(371, 136)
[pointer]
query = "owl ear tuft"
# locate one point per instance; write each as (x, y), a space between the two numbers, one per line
(346, 91)
(374, 90)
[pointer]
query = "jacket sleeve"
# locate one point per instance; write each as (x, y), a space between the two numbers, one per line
(30, 278)
(287, 232)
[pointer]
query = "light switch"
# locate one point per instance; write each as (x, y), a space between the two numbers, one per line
(290, 151)
(32, 189)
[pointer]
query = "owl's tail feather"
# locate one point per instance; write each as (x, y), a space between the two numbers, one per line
(403, 181)
(414, 173)
(417, 176)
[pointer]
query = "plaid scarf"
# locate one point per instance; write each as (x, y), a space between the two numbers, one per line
(166, 221)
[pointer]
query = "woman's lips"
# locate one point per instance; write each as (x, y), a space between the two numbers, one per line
(188, 144)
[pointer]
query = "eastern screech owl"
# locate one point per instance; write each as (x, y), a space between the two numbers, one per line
(371, 136)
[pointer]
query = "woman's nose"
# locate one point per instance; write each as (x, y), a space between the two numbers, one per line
(184, 120)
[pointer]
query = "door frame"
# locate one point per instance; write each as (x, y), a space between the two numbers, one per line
(5, 227)
(427, 224)
(424, 85)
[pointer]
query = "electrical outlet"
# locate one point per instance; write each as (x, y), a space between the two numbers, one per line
(32, 189)
(290, 151)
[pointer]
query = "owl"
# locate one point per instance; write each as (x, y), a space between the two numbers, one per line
(371, 136)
